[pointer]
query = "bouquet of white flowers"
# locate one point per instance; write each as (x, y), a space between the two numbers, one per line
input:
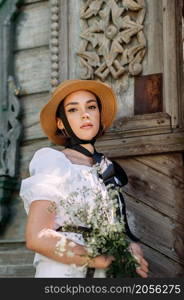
(106, 234)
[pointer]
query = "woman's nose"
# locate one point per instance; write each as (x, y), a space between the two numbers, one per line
(85, 115)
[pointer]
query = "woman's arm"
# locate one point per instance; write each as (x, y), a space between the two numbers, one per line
(41, 238)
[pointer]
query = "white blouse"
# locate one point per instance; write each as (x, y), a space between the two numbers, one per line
(53, 177)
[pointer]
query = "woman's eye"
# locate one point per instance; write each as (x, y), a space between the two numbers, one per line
(72, 110)
(92, 107)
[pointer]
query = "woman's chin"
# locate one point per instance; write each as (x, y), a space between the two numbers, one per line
(86, 136)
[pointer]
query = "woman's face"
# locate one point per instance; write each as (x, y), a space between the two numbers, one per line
(83, 114)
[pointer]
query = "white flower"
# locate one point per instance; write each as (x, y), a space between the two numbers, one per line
(78, 268)
(70, 253)
(62, 241)
(59, 253)
(89, 250)
(60, 246)
(71, 244)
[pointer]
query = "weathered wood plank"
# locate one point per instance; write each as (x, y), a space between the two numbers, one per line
(116, 145)
(31, 106)
(32, 68)
(32, 22)
(33, 1)
(160, 266)
(12, 244)
(154, 229)
(143, 124)
(170, 60)
(154, 189)
(17, 256)
(180, 58)
(169, 164)
(22, 271)
(153, 62)
(74, 38)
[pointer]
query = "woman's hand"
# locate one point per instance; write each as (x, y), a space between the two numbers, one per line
(142, 269)
(100, 262)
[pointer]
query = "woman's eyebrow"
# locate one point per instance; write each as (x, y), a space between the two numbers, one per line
(74, 103)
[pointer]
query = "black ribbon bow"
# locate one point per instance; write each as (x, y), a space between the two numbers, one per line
(109, 175)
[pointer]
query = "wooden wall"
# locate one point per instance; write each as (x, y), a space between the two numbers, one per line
(155, 190)
(155, 202)
(32, 70)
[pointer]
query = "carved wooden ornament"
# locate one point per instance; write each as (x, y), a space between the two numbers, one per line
(54, 43)
(10, 129)
(113, 42)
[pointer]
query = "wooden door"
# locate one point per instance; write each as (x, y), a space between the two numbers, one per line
(132, 46)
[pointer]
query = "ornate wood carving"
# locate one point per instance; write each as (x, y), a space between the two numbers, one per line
(9, 110)
(12, 129)
(113, 42)
(54, 43)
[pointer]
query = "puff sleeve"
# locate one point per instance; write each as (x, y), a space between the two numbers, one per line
(49, 171)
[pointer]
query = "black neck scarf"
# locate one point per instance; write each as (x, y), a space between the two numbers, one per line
(113, 172)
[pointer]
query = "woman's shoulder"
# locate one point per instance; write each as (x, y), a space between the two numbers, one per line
(48, 159)
(49, 153)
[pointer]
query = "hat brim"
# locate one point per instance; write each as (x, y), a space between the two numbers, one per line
(102, 90)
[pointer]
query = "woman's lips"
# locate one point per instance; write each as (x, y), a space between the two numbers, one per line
(86, 127)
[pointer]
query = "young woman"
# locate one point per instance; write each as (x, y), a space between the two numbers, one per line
(76, 115)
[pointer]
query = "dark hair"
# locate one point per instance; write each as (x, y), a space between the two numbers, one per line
(59, 114)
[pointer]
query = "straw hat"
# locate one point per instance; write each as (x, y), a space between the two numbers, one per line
(102, 90)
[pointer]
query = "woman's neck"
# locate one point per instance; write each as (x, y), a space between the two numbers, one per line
(77, 157)
(89, 147)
